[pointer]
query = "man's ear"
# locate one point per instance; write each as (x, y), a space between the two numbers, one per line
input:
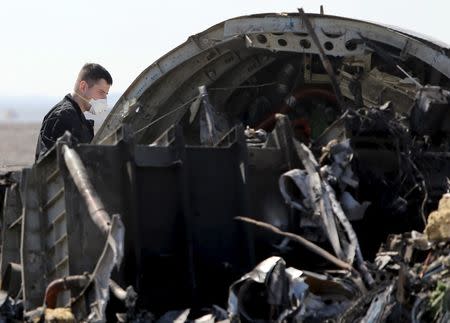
(83, 86)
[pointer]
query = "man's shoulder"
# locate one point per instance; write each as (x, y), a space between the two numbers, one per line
(63, 108)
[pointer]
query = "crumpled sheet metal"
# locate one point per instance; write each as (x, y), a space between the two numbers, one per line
(320, 203)
(319, 199)
(341, 174)
(272, 292)
(301, 179)
(379, 307)
(284, 289)
(10, 310)
(438, 226)
(213, 315)
(174, 316)
(353, 209)
(340, 170)
(111, 257)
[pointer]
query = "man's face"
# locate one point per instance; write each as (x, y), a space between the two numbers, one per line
(98, 90)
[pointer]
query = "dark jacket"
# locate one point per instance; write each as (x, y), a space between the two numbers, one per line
(65, 115)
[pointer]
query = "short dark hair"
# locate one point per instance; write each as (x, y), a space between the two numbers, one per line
(92, 73)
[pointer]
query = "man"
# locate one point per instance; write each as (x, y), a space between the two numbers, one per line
(89, 94)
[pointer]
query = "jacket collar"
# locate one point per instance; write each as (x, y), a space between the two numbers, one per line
(69, 98)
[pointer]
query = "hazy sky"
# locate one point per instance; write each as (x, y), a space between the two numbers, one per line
(45, 42)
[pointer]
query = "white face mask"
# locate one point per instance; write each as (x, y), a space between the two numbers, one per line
(98, 106)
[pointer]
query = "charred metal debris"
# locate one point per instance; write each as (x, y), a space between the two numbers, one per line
(289, 168)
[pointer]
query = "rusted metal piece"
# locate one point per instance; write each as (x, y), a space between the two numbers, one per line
(81, 179)
(62, 284)
(323, 57)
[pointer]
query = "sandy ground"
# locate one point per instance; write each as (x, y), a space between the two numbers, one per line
(17, 144)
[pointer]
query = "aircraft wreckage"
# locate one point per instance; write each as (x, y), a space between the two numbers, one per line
(275, 167)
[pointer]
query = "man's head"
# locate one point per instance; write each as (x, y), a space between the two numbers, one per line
(93, 83)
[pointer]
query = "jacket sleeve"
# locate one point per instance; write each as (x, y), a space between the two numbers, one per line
(62, 124)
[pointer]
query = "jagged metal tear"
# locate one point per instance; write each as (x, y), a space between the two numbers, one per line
(320, 198)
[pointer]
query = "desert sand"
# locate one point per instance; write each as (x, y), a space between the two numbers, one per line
(17, 144)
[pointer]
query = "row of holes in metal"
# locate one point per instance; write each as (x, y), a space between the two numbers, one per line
(305, 43)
